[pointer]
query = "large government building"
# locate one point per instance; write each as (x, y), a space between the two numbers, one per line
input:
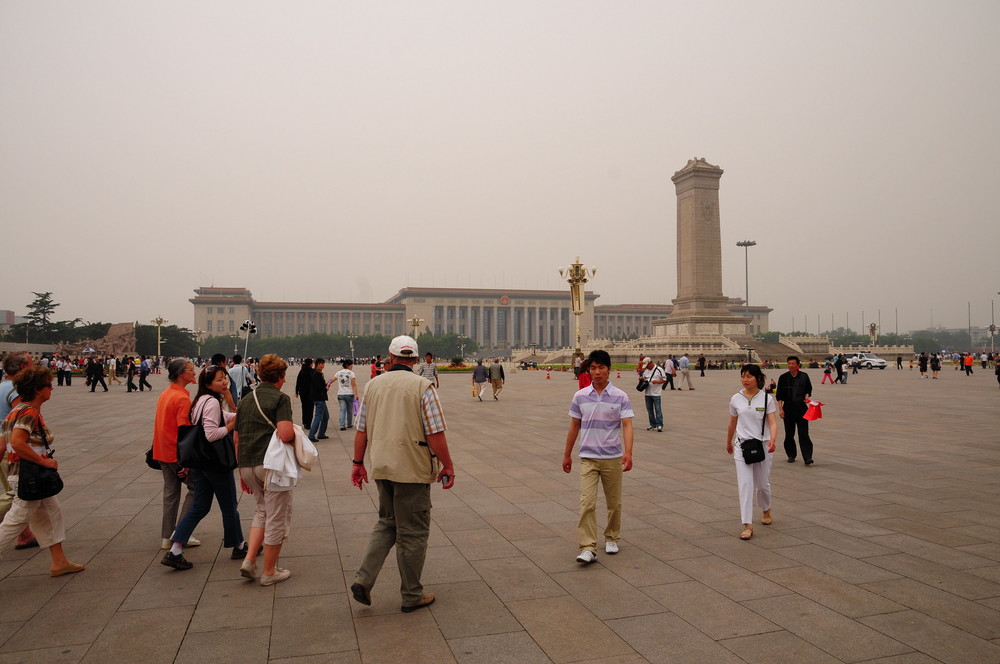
(496, 319)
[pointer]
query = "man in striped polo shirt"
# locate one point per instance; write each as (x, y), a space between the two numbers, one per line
(598, 413)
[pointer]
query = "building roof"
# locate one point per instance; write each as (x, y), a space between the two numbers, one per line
(411, 291)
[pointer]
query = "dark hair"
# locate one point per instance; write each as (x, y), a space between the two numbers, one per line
(307, 362)
(794, 357)
(30, 380)
(347, 363)
(585, 366)
(205, 378)
(218, 358)
(599, 357)
(318, 361)
(237, 358)
(754, 371)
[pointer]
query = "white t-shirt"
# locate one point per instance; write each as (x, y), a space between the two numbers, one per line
(344, 378)
(656, 373)
(748, 414)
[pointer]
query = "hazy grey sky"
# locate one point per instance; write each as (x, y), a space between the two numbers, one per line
(338, 151)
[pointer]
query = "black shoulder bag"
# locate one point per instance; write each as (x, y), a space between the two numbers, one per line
(643, 383)
(753, 448)
(38, 482)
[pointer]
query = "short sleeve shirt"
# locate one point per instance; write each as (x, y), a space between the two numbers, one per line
(748, 414)
(600, 416)
(30, 420)
(344, 378)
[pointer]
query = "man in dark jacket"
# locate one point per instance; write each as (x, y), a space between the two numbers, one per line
(318, 390)
(792, 395)
(303, 391)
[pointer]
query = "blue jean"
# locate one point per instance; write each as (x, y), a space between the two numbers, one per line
(222, 485)
(321, 417)
(654, 410)
(346, 410)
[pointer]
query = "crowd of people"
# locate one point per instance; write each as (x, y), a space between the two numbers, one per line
(399, 434)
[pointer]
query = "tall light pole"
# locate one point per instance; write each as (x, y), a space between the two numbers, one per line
(993, 326)
(159, 321)
(461, 343)
(350, 340)
(249, 327)
(199, 336)
(746, 244)
(577, 275)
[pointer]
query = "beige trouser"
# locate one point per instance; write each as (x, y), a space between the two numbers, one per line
(272, 510)
(44, 516)
(609, 473)
(497, 386)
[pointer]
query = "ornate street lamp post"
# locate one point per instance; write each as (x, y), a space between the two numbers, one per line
(577, 275)
(159, 321)
(199, 336)
(415, 323)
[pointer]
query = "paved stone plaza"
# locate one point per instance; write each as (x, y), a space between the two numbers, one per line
(886, 550)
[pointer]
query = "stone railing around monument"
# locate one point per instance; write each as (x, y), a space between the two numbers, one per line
(807, 345)
(887, 353)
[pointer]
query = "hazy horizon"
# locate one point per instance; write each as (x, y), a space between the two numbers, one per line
(337, 152)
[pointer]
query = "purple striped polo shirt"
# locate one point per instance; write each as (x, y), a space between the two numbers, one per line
(600, 418)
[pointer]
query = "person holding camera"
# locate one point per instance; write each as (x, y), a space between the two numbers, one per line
(752, 422)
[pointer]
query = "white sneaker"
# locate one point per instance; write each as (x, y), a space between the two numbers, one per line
(193, 542)
(611, 548)
(278, 576)
(586, 557)
(167, 543)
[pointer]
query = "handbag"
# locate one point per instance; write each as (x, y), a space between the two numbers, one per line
(195, 450)
(305, 452)
(753, 448)
(150, 461)
(643, 384)
(38, 482)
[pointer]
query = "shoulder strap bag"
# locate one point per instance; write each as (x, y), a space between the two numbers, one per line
(753, 448)
(38, 482)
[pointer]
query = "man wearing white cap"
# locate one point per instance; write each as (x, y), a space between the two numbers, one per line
(402, 428)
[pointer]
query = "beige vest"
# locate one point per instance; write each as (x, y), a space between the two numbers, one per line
(396, 442)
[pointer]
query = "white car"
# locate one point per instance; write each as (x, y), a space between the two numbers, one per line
(867, 360)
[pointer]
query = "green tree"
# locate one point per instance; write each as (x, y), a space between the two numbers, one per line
(177, 341)
(40, 310)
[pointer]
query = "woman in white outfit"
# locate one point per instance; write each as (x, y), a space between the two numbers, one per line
(749, 410)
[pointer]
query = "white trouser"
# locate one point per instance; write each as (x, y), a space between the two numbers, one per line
(44, 517)
(753, 478)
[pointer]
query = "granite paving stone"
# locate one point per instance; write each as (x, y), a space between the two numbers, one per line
(709, 611)
(826, 629)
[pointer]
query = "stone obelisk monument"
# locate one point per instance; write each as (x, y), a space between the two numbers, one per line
(700, 308)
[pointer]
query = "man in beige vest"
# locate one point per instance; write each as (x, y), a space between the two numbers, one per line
(401, 426)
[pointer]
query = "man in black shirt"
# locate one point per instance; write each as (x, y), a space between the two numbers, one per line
(318, 391)
(792, 395)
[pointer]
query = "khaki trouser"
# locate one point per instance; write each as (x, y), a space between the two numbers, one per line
(404, 512)
(609, 473)
(497, 386)
(44, 517)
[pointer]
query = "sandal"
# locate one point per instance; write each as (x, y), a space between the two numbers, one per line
(747, 533)
(766, 518)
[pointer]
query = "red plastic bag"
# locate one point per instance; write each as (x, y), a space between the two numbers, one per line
(814, 411)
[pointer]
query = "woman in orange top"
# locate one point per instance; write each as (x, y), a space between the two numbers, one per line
(172, 411)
